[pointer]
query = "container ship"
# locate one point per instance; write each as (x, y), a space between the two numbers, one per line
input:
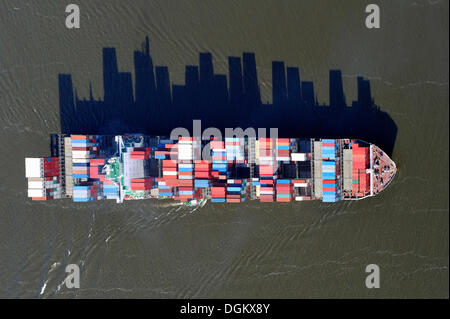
(87, 168)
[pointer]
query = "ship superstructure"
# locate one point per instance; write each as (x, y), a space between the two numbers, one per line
(129, 167)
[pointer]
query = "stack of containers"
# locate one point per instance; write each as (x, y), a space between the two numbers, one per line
(141, 153)
(266, 151)
(284, 190)
(360, 159)
(81, 153)
(166, 149)
(164, 190)
(329, 185)
(170, 172)
(218, 193)
(141, 184)
(364, 183)
(283, 150)
(219, 161)
(185, 170)
(185, 148)
(94, 168)
(235, 192)
(267, 170)
(266, 189)
(162, 153)
(43, 178)
(110, 190)
(235, 151)
(87, 193)
(329, 148)
(202, 173)
(186, 193)
(196, 148)
(301, 183)
(186, 173)
(329, 189)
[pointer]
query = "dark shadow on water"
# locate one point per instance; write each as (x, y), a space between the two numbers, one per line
(156, 106)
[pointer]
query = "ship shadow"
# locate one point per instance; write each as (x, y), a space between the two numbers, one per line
(154, 106)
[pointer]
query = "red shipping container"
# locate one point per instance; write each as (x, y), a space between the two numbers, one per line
(79, 137)
(201, 162)
(97, 161)
(283, 153)
(217, 145)
(202, 167)
(266, 199)
(170, 177)
(201, 175)
(172, 183)
(184, 182)
(169, 163)
(138, 157)
(138, 187)
(141, 180)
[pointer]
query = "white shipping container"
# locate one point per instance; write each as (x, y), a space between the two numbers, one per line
(186, 165)
(80, 160)
(186, 177)
(218, 150)
(285, 159)
(300, 184)
(33, 167)
(36, 192)
(328, 168)
(80, 153)
(169, 173)
(298, 157)
(35, 184)
(299, 198)
(81, 195)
